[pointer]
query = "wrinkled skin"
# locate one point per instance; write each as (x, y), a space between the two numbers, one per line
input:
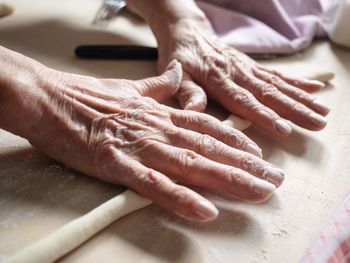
(243, 87)
(109, 129)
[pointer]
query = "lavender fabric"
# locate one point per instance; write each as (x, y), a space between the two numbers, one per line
(270, 26)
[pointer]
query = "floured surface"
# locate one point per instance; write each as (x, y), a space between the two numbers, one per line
(37, 195)
(68, 237)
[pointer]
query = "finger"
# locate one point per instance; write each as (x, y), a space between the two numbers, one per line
(161, 190)
(270, 96)
(218, 151)
(205, 124)
(191, 168)
(293, 92)
(161, 87)
(190, 95)
(305, 84)
(242, 103)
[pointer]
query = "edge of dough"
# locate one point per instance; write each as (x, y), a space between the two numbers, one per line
(73, 234)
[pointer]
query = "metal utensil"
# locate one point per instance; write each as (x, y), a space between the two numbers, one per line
(108, 10)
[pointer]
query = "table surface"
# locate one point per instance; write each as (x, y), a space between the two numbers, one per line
(38, 195)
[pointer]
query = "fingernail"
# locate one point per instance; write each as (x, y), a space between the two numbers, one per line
(318, 83)
(206, 210)
(283, 126)
(318, 119)
(253, 149)
(273, 175)
(321, 106)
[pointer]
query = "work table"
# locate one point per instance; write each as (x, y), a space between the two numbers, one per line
(38, 195)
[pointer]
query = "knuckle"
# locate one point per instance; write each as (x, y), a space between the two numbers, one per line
(218, 69)
(207, 144)
(234, 178)
(297, 82)
(205, 119)
(303, 95)
(297, 107)
(179, 195)
(274, 79)
(234, 138)
(221, 68)
(242, 97)
(188, 159)
(191, 117)
(264, 112)
(238, 182)
(150, 181)
(268, 92)
(298, 112)
(247, 163)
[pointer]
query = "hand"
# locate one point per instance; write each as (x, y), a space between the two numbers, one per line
(108, 129)
(243, 87)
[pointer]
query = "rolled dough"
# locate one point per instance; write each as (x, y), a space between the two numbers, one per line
(323, 76)
(237, 122)
(75, 233)
(70, 236)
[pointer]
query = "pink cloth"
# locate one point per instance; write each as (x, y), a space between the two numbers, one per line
(333, 243)
(270, 26)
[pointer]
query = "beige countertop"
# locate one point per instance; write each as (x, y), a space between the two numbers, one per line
(38, 195)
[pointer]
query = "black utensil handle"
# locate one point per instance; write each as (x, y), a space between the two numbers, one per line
(116, 52)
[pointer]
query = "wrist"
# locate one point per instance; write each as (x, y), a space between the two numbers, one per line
(165, 17)
(169, 10)
(21, 88)
(185, 34)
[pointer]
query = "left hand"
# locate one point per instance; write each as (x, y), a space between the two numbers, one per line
(116, 131)
(243, 87)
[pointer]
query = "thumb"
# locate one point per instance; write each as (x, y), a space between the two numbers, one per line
(164, 86)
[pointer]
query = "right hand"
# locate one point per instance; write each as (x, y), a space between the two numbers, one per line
(263, 96)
